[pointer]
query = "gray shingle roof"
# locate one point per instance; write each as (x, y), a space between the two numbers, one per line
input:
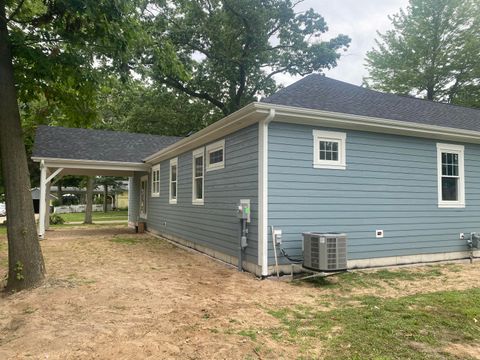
(321, 93)
(102, 145)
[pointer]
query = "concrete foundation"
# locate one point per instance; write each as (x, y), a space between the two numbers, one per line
(352, 264)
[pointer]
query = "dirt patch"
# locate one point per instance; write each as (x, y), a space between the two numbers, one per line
(110, 293)
(463, 350)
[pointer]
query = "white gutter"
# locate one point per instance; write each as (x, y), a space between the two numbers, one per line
(252, 113)
(93, 164)
(227, 125)
(263, 191)
(299, 115)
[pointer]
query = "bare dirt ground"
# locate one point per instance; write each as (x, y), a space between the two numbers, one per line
(112, 294)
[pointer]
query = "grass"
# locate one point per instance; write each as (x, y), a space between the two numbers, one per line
(97, 216)
(124, 240)
(3, 230)
(378, 278)
(413, 327)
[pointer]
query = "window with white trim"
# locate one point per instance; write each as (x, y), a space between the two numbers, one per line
(451, 175)
(156, 181)
(173, 181)
(198, 176)
(216, 155)
(329, 149)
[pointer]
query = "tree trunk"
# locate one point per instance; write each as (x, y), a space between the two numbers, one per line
(105, 198)
(89, 201)
(25, 261)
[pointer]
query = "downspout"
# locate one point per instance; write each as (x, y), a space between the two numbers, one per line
(263, 192)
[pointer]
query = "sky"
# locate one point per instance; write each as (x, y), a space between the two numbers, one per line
(359, 19)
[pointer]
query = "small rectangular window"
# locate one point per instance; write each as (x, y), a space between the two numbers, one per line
(173, 180)
(215, 155)
(198, 177)
(156, 181)
(329, 149)
(451, 183)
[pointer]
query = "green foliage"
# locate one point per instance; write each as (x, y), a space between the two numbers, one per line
(137, 107)
(56, 219)
(230, 50)
(61, 51)
(432, 52)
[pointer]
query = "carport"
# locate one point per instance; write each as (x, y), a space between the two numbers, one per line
(72, 151)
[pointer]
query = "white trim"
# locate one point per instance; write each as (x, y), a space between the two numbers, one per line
(55, 173)
(196, 154)
(240, 119)
(456, 149)
(173, 162)
(298, 115)
(92, 164)
(144, 215)
(218, 145)
(340, 138)
(257, 111)
(263, 192)
(155, 168)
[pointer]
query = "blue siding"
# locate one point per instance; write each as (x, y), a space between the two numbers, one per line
(215, 224)
(390, 183)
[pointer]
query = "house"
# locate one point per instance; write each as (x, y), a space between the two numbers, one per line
(36, 199)
(400, 176)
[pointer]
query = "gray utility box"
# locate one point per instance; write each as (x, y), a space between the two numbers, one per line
(325, 251)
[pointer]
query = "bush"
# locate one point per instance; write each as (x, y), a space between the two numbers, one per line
(56, 219)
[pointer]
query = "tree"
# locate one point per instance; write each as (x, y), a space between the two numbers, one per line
(230, 50)
(106, 182)
(135, 106)
(89, 199)
(56, 49)
(26, 267)
(432, 52)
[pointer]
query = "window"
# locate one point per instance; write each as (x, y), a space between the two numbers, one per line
(451, 178)
(173, 180)
(329, 149)
(197, 177)
(216, 155)
(156, 180)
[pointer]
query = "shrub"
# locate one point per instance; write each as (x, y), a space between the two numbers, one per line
(56, 219)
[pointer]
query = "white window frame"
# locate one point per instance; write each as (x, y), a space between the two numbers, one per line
(173, 162)
(460, 151)
(196, 154)
(211, 148)
(155, 180)
(322, 135)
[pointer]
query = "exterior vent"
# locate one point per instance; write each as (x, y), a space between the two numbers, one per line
(325, 251)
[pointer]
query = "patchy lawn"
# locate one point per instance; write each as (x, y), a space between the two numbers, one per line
(97, 216)
(110, 293)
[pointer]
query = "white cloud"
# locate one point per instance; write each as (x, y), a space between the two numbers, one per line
(359, 19)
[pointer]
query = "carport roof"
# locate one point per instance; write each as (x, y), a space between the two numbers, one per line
(54, 142)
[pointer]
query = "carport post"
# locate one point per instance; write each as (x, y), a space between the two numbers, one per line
(43, 188)
(47, 205)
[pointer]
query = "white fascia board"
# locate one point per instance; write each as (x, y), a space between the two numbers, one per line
(304, 116)
(240, 119)
(92, 164)
(257, 111)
